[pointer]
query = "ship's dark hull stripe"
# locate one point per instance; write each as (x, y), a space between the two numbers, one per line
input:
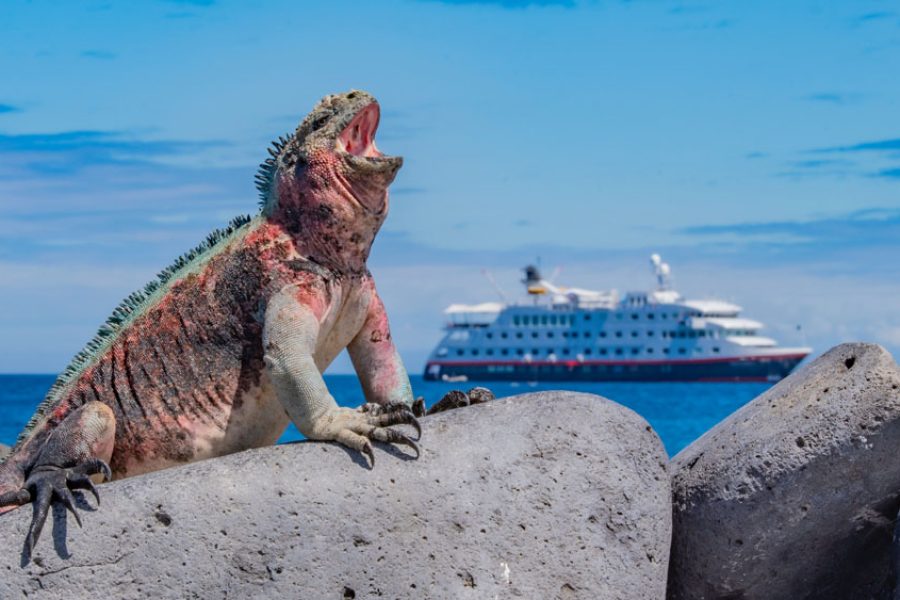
(746, 368)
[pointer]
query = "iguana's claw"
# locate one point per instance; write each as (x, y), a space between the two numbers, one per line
(392, 436)
(367, 450)
(394, 413)
(46, 482)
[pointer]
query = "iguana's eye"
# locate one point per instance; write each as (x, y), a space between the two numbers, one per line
(319, 122)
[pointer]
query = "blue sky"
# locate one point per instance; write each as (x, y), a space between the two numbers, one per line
(756, 145)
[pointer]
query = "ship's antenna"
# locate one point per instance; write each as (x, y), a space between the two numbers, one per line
(490, 277)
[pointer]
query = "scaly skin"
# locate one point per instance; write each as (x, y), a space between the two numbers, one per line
(232, 347)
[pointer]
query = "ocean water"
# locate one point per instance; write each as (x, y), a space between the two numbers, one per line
(679, 412)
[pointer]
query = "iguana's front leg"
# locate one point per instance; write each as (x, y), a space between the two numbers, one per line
(376, 360)
(290, 334)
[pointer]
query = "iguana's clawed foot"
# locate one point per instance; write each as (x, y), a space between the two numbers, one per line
(48, 482)
(355, 428)
(395, 413)
(458, 399)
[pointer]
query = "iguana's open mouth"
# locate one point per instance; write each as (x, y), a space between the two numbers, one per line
(358, 137)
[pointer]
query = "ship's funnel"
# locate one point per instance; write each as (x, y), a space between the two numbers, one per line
(533, 281)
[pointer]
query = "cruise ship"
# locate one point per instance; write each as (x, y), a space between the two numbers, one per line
(571, 334)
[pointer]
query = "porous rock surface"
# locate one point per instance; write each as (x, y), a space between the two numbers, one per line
(546, 495)
(794, 495)
(4, 450)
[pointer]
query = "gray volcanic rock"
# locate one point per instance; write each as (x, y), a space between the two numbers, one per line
(548, 495)
(4, 450)
(794, 495)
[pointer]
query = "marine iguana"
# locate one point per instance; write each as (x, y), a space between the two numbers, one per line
(228, 344)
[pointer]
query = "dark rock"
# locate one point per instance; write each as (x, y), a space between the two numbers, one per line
(794, 496)
(549, 495)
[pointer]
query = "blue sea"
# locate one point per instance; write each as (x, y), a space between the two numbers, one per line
(679, 412)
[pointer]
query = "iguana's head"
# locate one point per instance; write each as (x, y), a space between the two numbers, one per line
(333, 150)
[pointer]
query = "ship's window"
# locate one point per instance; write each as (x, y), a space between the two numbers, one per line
(681, 351)
(549, 334)
(587, 334)
(565, 334)
(649, 350)
(519, 334)
(519, 351)
(701, 333)
(565, 351)
(634, 316)
(516, 320)
(504, 352)
(587, 317)
(716, 349)
(504, 335)
(475, 352)
(619, 316)
(634, 334)
(618, 334)
(489, 352)
(681, 334)
(603, 334)
(692, 333)
(650, 333)
(635, 350)
(665, 350)
(587, 351)
(665, 334)
(535, 351)
(651, 316)
(543, 319)
(534, 334)
(553, 319)
(664, 316)
(619, 351)
(603, 351)
(489, 335)
(460, 352)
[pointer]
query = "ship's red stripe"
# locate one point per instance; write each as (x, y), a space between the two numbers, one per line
(576, 363)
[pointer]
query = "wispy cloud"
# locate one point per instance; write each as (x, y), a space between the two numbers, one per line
(99, 54)
(888, 145)
(112, 196)
(863, 228)
(8, 108)
(837, 98)
(192, 2)
(874, 16)
(512, 4)
(876, 158)
(69, 151)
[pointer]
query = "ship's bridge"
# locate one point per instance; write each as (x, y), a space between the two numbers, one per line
(713, 308)
(473, 315)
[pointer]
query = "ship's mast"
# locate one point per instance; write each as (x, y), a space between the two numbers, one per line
(662, 271)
